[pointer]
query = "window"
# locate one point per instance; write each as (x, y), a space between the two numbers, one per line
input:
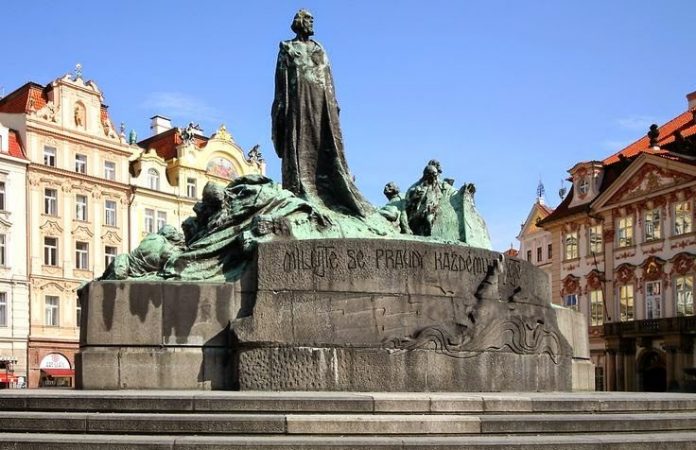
(571, 245)
(50, 251)
(626, 302)
(153, 179)
(2, 195)
(81, 255)
(3, 251)
(191, 188)
(549, 251)
(51, 202)
(684, 293)
(653, 300)
(625, 234)
(596, 307)
(529, 255)
(109, 255)
(80, 163)
(539, 254)
(149, 220)
(3, 309)
(583, 186)
(78, 314)
(52, 310)
(81, 207)
(594, 239)
(653, 227)
(49, 155)
(571, 301)
(109, 170)
(161, 219)
(110, 213)
(682, 218)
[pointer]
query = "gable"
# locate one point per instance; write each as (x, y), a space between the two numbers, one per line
(648, 179)
(537, 213)
(646, 176)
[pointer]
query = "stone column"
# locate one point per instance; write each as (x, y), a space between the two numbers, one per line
(610, 370)
(620, 381)
(628, 348)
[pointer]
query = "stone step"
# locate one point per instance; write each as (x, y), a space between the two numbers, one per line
(624, 441)
(341, 424)
(338, 402)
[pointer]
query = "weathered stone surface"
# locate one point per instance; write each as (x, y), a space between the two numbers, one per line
(334, 314)
(382, 424)
(373, 369)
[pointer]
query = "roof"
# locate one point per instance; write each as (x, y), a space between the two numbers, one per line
(15, 145)
(30, 97)
(614, 165)
(166, 142)
(684, 123)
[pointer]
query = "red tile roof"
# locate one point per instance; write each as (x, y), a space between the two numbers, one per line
(683, 123)
(30, 97)
(15, 146)
(166, 142)
(615, 164)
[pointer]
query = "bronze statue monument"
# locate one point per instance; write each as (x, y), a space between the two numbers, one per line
(305, 125)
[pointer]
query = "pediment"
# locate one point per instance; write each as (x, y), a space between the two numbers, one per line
(82, 232)
(648, 179)
(111, 237)
(647, 175)
(51, 228)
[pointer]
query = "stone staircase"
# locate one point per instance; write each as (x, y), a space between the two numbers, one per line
(176, 420)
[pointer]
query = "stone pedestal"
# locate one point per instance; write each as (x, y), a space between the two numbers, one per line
(338, 314)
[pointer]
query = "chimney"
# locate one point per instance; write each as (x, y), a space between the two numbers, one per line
(159, 124)
(691, 98)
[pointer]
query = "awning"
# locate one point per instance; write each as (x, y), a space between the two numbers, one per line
(7, 378)
(59, 372)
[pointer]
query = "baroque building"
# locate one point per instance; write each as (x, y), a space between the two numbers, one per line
(77, 209)
(535, 242)
(14, 287)
(624, 247)
(171, 168)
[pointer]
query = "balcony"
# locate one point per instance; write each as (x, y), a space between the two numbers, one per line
(651, 327)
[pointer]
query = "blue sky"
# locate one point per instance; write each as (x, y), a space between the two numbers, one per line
(503, 93)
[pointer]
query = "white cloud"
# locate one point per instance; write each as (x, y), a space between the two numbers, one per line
(181, 106)
(635, 123)
(614, 145)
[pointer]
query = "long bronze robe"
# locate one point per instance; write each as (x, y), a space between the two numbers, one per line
(306, 130)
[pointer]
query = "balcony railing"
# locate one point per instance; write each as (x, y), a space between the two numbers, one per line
(682, 324)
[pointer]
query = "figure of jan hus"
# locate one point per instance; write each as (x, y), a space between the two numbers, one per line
(306, 130)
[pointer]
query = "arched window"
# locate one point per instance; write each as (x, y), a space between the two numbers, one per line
(153, 179)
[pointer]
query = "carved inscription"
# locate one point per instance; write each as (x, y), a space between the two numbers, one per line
(322, 259)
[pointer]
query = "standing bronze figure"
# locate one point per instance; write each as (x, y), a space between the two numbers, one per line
(306, 130)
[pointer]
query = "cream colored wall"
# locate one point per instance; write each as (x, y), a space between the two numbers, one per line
(172, 197)
(13, 275)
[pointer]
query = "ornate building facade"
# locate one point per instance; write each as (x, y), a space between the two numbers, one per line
(77, 210)
(14, 287)
(624, 246)
(171, 169)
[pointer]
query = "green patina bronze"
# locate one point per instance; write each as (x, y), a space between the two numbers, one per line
(317, 200)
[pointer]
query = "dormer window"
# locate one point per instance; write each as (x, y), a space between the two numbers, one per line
(583, 186)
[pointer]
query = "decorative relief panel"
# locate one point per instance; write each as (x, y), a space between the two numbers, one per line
(51, 228)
